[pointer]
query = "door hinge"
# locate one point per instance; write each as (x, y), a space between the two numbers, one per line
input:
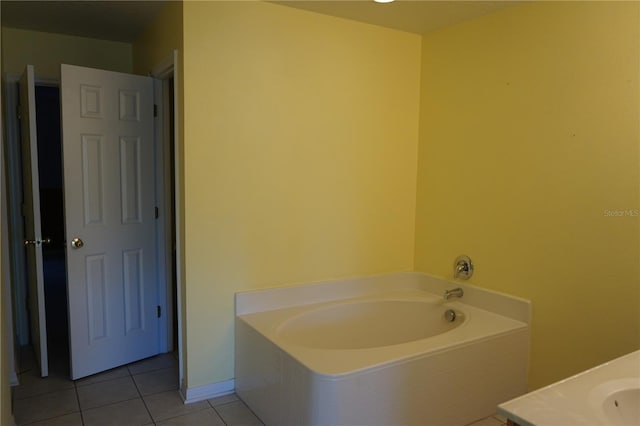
(19, 112)
(155, 110)
(159, 311)
(157, 213)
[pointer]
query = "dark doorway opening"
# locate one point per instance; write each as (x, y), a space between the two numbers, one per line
(52, 222)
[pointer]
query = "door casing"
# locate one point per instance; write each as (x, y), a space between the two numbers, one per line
(165, 71)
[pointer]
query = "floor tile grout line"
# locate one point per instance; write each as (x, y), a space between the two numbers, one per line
(100, 382)
(183, 414)
(153, 420)
(243, 404)
(220, 416)
(55, 416)
(75, 389)
(76, 386)
(142, 397)
(217, 412)
(148, 371)
(233, 394)
(154, 371)
(140, 394)
(252, 412)
(109, 404)
(42, 394)
(177, 388)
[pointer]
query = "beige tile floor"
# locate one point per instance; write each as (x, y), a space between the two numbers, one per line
(495, 420)
(143, 393)
(138, 394)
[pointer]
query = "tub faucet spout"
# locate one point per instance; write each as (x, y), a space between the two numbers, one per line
(456, 292)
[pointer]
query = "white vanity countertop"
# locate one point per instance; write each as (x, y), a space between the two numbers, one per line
(604, 395)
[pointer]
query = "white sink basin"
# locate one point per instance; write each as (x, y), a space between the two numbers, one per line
(608, 394)
(622, 407)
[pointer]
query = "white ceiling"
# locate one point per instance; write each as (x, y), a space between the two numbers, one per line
(124, 20)
(415, 16)
(107, 20)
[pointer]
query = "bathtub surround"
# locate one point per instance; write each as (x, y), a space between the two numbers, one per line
(379, 350)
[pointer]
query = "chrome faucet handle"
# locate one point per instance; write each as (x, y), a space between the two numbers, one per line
(462, 267)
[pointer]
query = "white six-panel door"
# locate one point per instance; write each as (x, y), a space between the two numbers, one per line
(107, 122)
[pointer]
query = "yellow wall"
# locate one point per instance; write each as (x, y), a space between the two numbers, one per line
(46, 51)
(528, 134)
(301, 135)
(159, 40)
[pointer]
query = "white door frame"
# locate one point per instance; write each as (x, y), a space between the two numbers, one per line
(6, 270)
(163, 73)
(15, 235)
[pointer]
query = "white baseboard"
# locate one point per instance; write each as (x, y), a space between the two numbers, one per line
(213, 390)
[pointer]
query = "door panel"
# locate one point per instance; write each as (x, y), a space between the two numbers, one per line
(107, 121)
(33, 242)
(92, 179)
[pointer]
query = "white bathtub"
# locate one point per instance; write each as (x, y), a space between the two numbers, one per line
(378, 351)
(368, 323)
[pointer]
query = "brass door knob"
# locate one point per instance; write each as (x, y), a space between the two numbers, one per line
(77, 243)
